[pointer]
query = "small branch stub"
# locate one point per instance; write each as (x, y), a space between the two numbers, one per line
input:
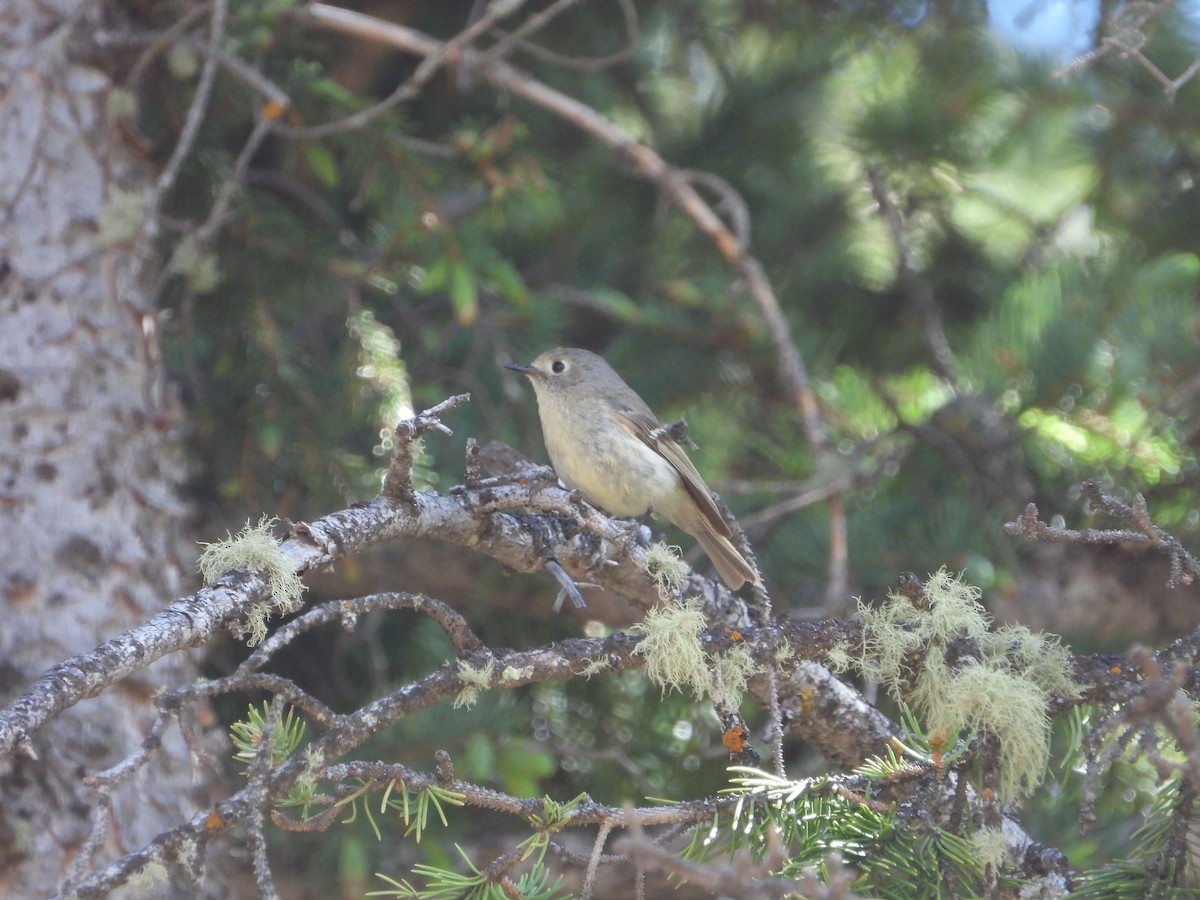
(397, 483)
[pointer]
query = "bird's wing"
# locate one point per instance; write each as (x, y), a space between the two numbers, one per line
(647, 429)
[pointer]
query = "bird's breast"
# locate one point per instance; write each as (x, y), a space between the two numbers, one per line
(611, 468)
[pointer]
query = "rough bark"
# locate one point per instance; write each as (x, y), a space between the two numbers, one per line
(89, 445)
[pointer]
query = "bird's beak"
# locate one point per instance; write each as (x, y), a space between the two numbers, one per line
(524, 368)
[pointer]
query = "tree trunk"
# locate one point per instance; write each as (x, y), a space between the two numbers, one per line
(90, 460)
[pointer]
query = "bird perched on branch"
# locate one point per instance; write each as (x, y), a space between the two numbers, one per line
(604, 441)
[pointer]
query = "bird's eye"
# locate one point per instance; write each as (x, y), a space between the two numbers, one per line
(558, 367)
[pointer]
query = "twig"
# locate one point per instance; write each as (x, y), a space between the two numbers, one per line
(1185, 568)
(1129, 25)
(216, 215)
(461, 637)
(730, 200)
(589, 877)
(567, 587)
(195, 113)
(259, 769)
(920, 294)
(446, 53)
(540, 20)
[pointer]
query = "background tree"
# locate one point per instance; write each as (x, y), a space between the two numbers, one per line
(900, 279)
(93, 516)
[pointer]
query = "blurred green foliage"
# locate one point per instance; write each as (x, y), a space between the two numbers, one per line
(371, 271)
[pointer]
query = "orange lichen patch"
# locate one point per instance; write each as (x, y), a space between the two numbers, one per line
(272, 110)
(806, 701)
(734, 739)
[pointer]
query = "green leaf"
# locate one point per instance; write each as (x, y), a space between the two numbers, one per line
(521, 768)
(320, 160)
(331, 90)
(435, 276)
(463, 296)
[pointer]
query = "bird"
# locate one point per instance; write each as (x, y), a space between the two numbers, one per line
(606, 443)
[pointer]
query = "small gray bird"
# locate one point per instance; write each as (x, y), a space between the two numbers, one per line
(606, 443)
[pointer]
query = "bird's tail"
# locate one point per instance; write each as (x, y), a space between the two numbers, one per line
(731, 565)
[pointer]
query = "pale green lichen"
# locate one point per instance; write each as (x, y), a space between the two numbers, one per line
(516, 673)
(732, 671)
(307, 784)
(255, 549)
(595, 666)
(895, 630)
(314, 761)
(1039, 657)
(839, 660)
(473, 680)
(148, 878)
(785, 653)
(182, 62)
(671, 645)
(121, 217)
(979, 697)
(120, 104)
(189, 854)
(198, 267)
(991, 846)
(998, 686)
(667, 569)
